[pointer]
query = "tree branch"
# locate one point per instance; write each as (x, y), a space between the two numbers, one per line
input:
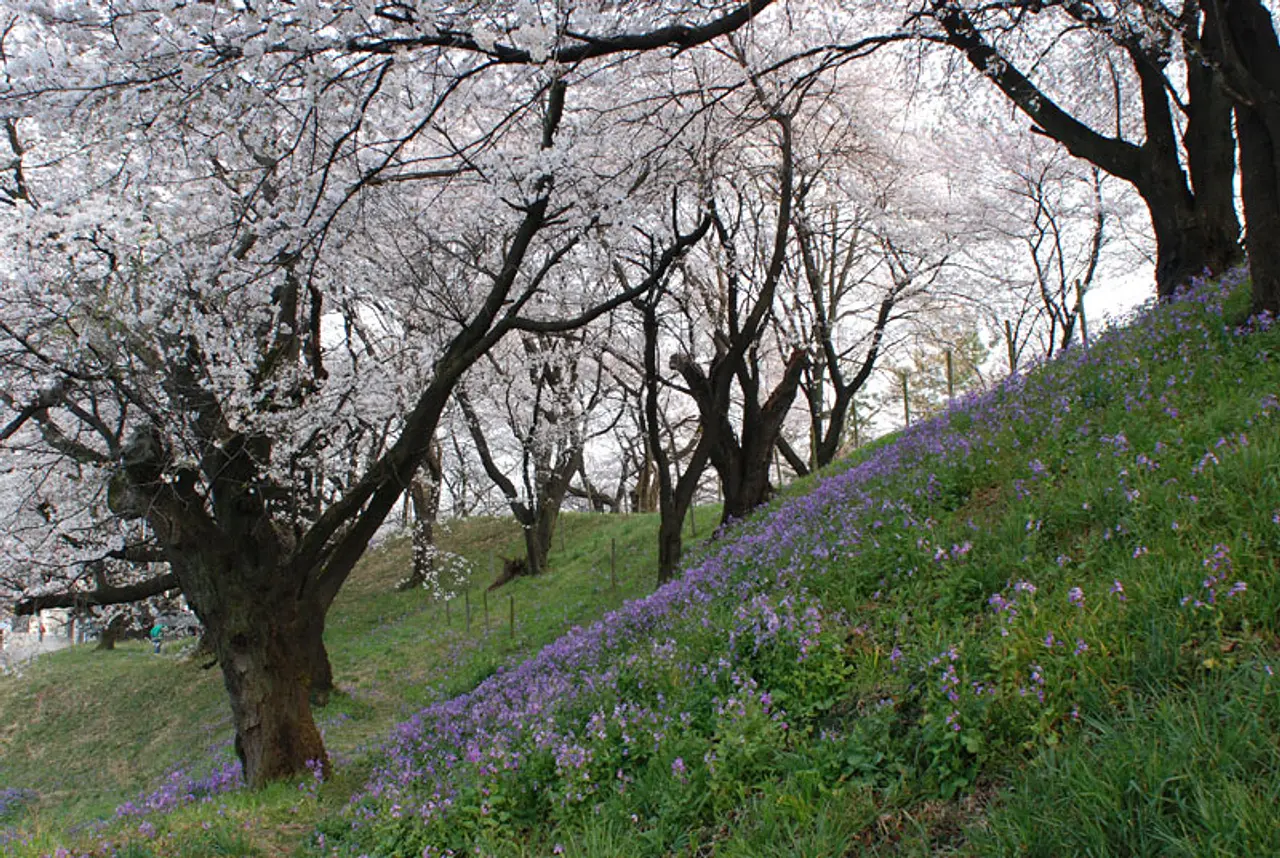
(104, 595)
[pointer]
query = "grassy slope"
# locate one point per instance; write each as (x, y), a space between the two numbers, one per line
(69, 734)
(1017, 630)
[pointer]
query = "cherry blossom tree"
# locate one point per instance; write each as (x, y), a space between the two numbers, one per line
(1115, 87)
(203, 193)
(543, 392)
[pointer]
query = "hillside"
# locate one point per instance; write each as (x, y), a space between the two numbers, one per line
(83, 733)
(1043, 624)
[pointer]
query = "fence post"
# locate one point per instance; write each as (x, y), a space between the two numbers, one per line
(485, 595)
(466, 596)
(512, 603)
(613, 564)
(1013, 353)
(906, 397)
(951, 384)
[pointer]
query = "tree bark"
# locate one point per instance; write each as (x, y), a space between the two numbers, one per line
(269, 646)
(1249, 53)
(318, 675)
(265, 667)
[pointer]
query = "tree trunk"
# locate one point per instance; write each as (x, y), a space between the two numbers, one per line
(646, 493)
(537, 541)
(266, 658)
(112, 633)
(1187, 244)
(751, 488)
(1260, 188)
(1251, 53)
(1194, 235)
(743, 465)
(670, 546)
(424, 496)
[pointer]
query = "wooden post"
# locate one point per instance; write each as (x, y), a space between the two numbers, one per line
(777, 465)
(466, 595)
(485, 594)
(951, 384)
(613, 564)
(693, 524)
(1013, 353)
(906, 397)
(447, 621)
(512, 602)
(560, 527)
(1084, 323)
(853, 413)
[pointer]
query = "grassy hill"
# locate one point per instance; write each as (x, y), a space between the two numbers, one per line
(1044, 624)
(84, 732)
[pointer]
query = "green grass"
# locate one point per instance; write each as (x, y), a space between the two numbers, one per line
(995, 636)
(91, 730)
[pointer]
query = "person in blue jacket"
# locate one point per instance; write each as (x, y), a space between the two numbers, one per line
(157, 635)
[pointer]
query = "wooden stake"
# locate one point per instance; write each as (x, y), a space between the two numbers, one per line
(693, 523)
(485, 595)
(1013, 354)
(951, 384)
(466, 595)
(613, 564)
(447, 621)
(906, 398)
(512, 602)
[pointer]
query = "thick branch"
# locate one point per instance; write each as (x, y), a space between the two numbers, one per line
(101, 596)
(587, 47)
(1118, 157)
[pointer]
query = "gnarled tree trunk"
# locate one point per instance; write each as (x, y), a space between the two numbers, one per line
(269, 645)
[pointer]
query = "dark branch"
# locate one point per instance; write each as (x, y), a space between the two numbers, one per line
(105, 595)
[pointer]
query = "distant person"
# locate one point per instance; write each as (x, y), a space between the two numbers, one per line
(157, 635)
(42, 633)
